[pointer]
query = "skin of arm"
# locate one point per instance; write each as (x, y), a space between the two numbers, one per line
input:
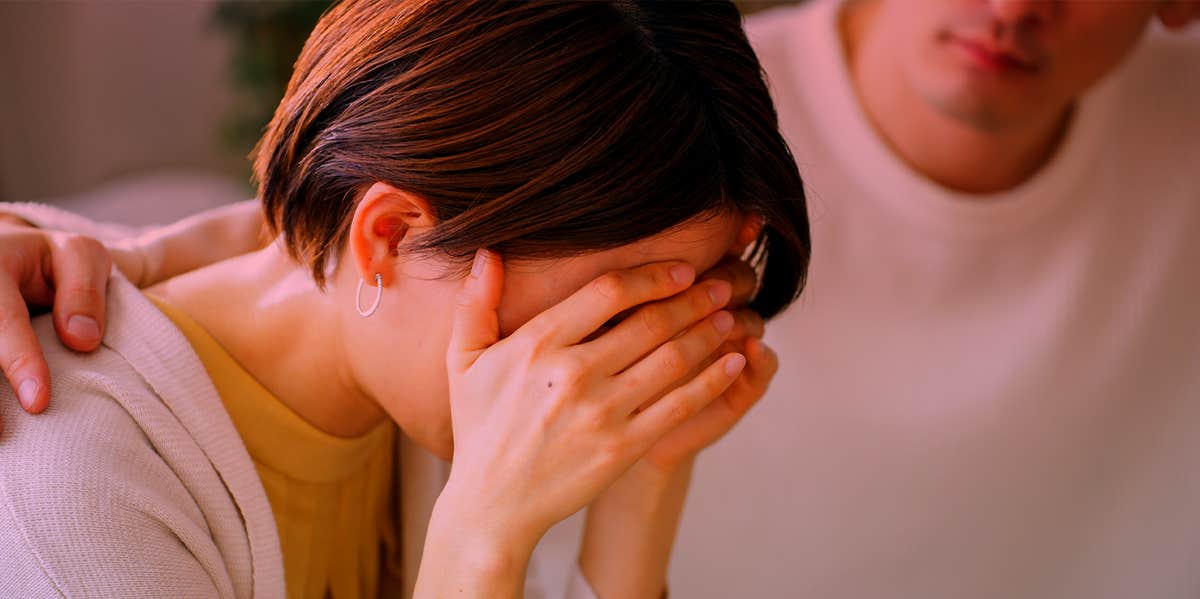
(44, 268)
(539, 451)
(630, 527)
(191, 243)
(630, 531)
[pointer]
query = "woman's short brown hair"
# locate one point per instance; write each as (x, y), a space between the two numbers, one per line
(539, 128)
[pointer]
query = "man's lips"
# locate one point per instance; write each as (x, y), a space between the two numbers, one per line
(993, 57)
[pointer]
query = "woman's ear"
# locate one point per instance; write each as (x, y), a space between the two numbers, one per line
(749, 230)
(383, 219)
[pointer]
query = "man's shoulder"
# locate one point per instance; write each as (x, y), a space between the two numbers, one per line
(1162, 79)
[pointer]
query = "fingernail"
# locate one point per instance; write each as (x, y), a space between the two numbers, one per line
(719, 292)
(723, 321)
(83, 327)
(681, 273)
(27, 393)
(480, 261)
(734, 365)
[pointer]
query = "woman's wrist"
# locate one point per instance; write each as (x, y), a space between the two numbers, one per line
(473, 551)
(631, 529)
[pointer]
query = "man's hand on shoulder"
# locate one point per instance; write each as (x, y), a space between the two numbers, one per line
(47, 269)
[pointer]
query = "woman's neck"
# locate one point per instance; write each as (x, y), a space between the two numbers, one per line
(268, 313)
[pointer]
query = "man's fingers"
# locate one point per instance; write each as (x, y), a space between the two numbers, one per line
(476, 325)
(20, 353)
(586, 310)
(81, 267)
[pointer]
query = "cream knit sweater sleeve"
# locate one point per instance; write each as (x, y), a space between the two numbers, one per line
(132, 483)
(89, 505)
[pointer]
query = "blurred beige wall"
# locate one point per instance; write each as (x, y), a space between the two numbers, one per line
(92, 90)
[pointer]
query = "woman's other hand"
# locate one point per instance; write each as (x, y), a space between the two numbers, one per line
(547, 418)
(631, 526)
(717, 418)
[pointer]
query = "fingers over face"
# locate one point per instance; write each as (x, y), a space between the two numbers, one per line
(679, 405)
(673, 360)
(738, 274)
(761, 366)
(654, 324)
(586, 310)
(747, 325)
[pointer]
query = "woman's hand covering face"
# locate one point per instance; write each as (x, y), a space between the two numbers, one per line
(548, 417)
(718, 417)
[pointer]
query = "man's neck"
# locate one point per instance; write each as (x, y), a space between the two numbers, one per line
(943, 149)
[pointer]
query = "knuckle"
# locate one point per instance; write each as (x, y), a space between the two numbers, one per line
(710, 337)
(656, 322)
(660, 277)
(90, 245)
(597, 418)
(532, 340)
(567, 374)
(613, 451)
(20, 361)
(80, 247)
(679, 413)
(612, 286)
(83, 292)
(10, 318)
(700, 300)
(674, 360)
(73, 243)
(713, 384)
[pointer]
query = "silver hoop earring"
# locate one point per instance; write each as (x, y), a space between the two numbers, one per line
(378, 296)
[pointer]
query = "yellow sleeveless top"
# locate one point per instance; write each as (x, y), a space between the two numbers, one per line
(331, 496)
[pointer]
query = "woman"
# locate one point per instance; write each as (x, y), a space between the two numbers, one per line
(238, 424)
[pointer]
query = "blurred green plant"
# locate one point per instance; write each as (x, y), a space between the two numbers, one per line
(266, 39)
(267, 36)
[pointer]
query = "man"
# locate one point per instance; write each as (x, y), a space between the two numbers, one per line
(992, 385)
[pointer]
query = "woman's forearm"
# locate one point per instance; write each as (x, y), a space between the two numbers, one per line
(468, 554)
(630, 531)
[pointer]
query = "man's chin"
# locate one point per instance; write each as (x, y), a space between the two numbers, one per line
(978, 109)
